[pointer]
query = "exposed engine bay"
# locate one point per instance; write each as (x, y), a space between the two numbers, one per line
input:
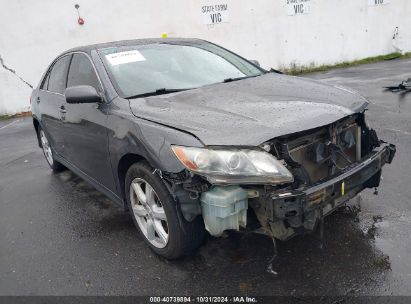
(330, 165)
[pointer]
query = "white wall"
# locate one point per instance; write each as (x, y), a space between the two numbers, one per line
(33, 32)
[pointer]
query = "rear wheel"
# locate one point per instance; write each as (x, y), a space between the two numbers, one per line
(48, 152)
(157, 216)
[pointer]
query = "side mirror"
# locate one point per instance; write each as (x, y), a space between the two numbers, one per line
(255, 62)
(82, 94)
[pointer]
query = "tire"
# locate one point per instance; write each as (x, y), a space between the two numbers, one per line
(181, 237)
(48, 152)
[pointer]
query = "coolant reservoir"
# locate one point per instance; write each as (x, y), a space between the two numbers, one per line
(224, 208)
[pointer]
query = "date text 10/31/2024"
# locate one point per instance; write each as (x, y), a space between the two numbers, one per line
(205, 299)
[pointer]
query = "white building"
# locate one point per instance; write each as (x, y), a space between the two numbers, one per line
(278, 33)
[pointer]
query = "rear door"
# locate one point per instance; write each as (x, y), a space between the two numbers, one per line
(50, 101)
(86, 134)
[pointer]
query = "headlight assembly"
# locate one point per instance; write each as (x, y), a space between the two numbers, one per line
(233, 166)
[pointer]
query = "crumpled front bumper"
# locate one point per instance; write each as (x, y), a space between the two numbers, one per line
(296, 211)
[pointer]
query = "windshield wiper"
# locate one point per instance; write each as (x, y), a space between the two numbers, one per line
(274, 71)
(239, 78)
(156, 92)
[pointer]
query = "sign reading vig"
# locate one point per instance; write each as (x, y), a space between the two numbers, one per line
(298, 7)
(214, 14)
(377, 2)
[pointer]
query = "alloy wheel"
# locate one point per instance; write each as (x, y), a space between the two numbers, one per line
(149, 212)
(46, 148)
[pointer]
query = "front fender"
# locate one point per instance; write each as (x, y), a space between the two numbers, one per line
(133, 135)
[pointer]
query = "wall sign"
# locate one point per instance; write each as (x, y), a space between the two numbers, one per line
(377, 2)
(215, 13)
(298, 7)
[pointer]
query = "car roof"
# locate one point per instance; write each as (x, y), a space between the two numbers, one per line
(89, 48)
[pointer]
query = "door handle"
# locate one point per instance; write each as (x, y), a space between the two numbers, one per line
(63, 113)
(63, 109)
(38, 99)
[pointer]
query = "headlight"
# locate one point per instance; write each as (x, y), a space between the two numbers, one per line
(240, 166)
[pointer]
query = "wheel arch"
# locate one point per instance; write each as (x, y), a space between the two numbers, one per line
(124, 164)
(36, 125)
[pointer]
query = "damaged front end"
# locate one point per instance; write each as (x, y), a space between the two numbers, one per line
(330, 165)
(314, 172)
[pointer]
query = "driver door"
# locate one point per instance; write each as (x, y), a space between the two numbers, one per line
(85, 125)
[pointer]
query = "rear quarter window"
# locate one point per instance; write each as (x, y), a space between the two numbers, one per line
(45, 82)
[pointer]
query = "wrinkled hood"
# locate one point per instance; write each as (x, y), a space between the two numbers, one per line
(251, 111)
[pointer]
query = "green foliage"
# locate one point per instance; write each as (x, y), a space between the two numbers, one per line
(4, 117)
(298, 70)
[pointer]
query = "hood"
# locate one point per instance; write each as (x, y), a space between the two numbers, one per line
(250, 111)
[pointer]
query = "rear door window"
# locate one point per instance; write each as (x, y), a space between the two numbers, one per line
(58, 75)
(82, 72)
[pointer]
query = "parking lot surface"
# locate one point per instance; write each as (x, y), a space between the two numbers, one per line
(59, 236)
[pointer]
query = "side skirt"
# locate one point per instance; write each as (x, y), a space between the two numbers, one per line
(107, 192)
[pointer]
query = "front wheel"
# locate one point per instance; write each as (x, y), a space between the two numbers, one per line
(48, 152)
(157, 216)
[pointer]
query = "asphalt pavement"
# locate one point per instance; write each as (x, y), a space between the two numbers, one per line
(59, 236)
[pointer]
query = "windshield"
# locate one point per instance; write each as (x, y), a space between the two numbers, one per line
(138, 70)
